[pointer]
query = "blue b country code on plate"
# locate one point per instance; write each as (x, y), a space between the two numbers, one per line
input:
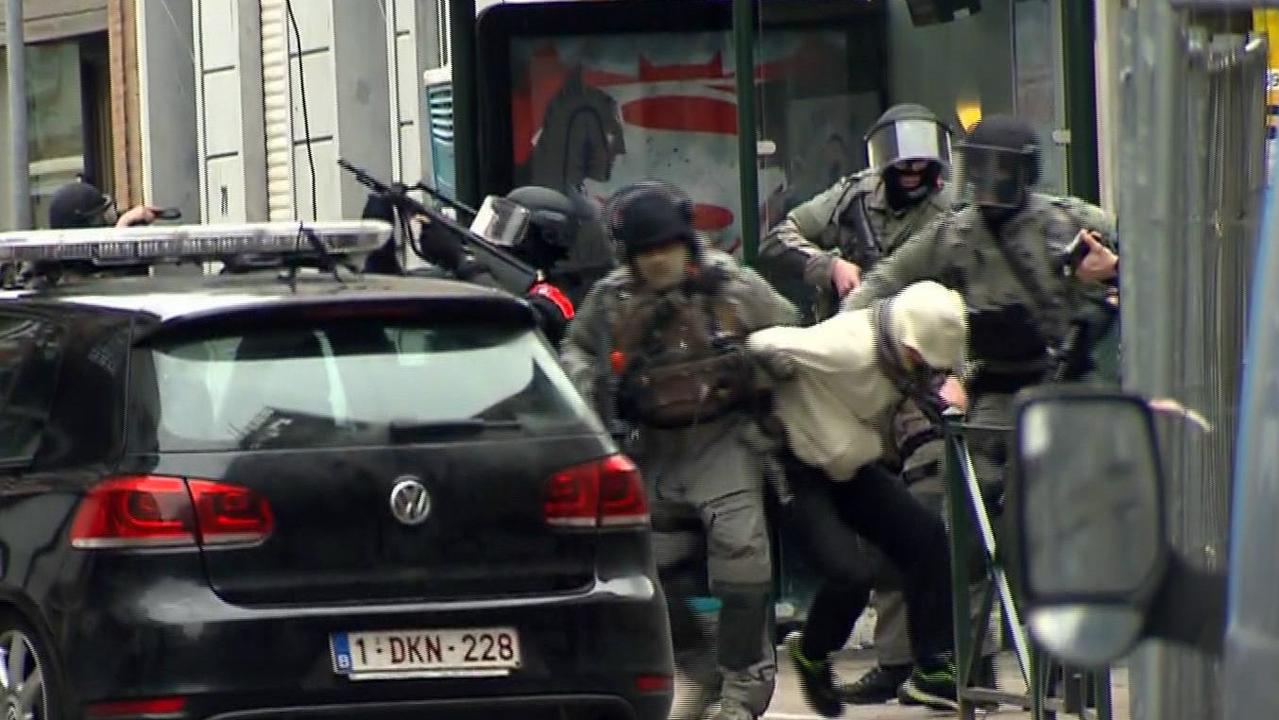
(452, 652)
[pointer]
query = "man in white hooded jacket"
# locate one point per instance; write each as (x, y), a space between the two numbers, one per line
(847, 376)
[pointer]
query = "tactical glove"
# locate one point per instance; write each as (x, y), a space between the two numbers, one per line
(442, 247)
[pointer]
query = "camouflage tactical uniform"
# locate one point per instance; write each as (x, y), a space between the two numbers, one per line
(812, 235)
(705, 482)
(959, 250)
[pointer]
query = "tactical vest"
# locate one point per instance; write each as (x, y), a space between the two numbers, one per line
(1048, 309)
(681, 358)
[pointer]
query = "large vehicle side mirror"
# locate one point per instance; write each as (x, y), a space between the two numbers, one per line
(1093, 560)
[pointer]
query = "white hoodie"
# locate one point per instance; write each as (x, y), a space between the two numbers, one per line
(835, 408)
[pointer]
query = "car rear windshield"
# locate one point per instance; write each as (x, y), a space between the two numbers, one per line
(355, 383)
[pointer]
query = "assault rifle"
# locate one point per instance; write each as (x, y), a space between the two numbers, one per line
(508, 271)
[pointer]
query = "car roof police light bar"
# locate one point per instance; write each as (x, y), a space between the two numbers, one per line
(154, 244)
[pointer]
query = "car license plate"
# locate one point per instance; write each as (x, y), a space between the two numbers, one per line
(388, 654)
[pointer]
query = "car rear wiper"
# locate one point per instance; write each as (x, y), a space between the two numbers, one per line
(401, 430)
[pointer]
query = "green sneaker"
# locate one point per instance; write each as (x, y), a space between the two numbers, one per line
(816, 679)
(931, 685)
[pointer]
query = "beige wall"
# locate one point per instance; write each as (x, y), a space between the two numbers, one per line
(126, 139)
(54, 19)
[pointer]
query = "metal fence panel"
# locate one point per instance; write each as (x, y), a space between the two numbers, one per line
(1191, 171)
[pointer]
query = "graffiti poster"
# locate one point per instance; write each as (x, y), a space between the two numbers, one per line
(595, 113)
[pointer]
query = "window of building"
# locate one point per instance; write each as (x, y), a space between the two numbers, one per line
(68, 119)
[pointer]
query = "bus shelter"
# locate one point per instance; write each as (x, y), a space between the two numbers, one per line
(752, 106)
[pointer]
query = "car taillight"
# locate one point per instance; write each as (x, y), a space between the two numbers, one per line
(602, 493)
(152, 707)
(227, 514)
(654, 683)
(622, 498)
(136, 511)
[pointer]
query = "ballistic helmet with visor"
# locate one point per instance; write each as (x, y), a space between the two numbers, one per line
(538, 224)
(999, 162)
(79, 204)
(907, 132)
(553, 217)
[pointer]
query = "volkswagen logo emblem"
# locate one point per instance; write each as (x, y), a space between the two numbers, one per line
(410, 502)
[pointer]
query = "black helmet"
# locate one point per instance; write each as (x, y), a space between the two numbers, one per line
(79, 205)
(1000, 162)
(553, 218)
(907, 132)
(649, 214)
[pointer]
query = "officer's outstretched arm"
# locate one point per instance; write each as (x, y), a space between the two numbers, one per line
(917, 259)
(794, 244)
(583, 341)
(1089, 217)
(769, 307)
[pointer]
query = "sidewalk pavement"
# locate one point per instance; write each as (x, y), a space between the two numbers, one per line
(788, 701)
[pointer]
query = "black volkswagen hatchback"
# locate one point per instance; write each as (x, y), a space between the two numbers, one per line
(238, 497)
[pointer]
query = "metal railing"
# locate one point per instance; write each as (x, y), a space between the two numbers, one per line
(1052, 687)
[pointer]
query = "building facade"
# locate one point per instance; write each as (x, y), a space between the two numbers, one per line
(73, 127)
(246, 105)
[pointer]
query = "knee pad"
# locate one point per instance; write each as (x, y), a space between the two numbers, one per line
(687, 631)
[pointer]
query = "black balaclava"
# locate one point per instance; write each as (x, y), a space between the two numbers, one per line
(886, 146)
(900, 198)
(1013, 133)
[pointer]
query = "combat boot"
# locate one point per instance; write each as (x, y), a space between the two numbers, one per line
(878, 685)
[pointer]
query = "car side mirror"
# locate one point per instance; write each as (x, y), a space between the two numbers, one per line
(1090, 546)
(1088, 506)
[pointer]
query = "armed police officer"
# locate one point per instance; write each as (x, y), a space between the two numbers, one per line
(557, 226)
(659, 343)
(832, 239)
(1018, 259)
(79, 204)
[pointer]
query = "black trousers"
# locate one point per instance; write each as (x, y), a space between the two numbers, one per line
(829, 517)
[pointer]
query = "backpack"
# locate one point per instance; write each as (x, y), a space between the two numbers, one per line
(681, 357)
